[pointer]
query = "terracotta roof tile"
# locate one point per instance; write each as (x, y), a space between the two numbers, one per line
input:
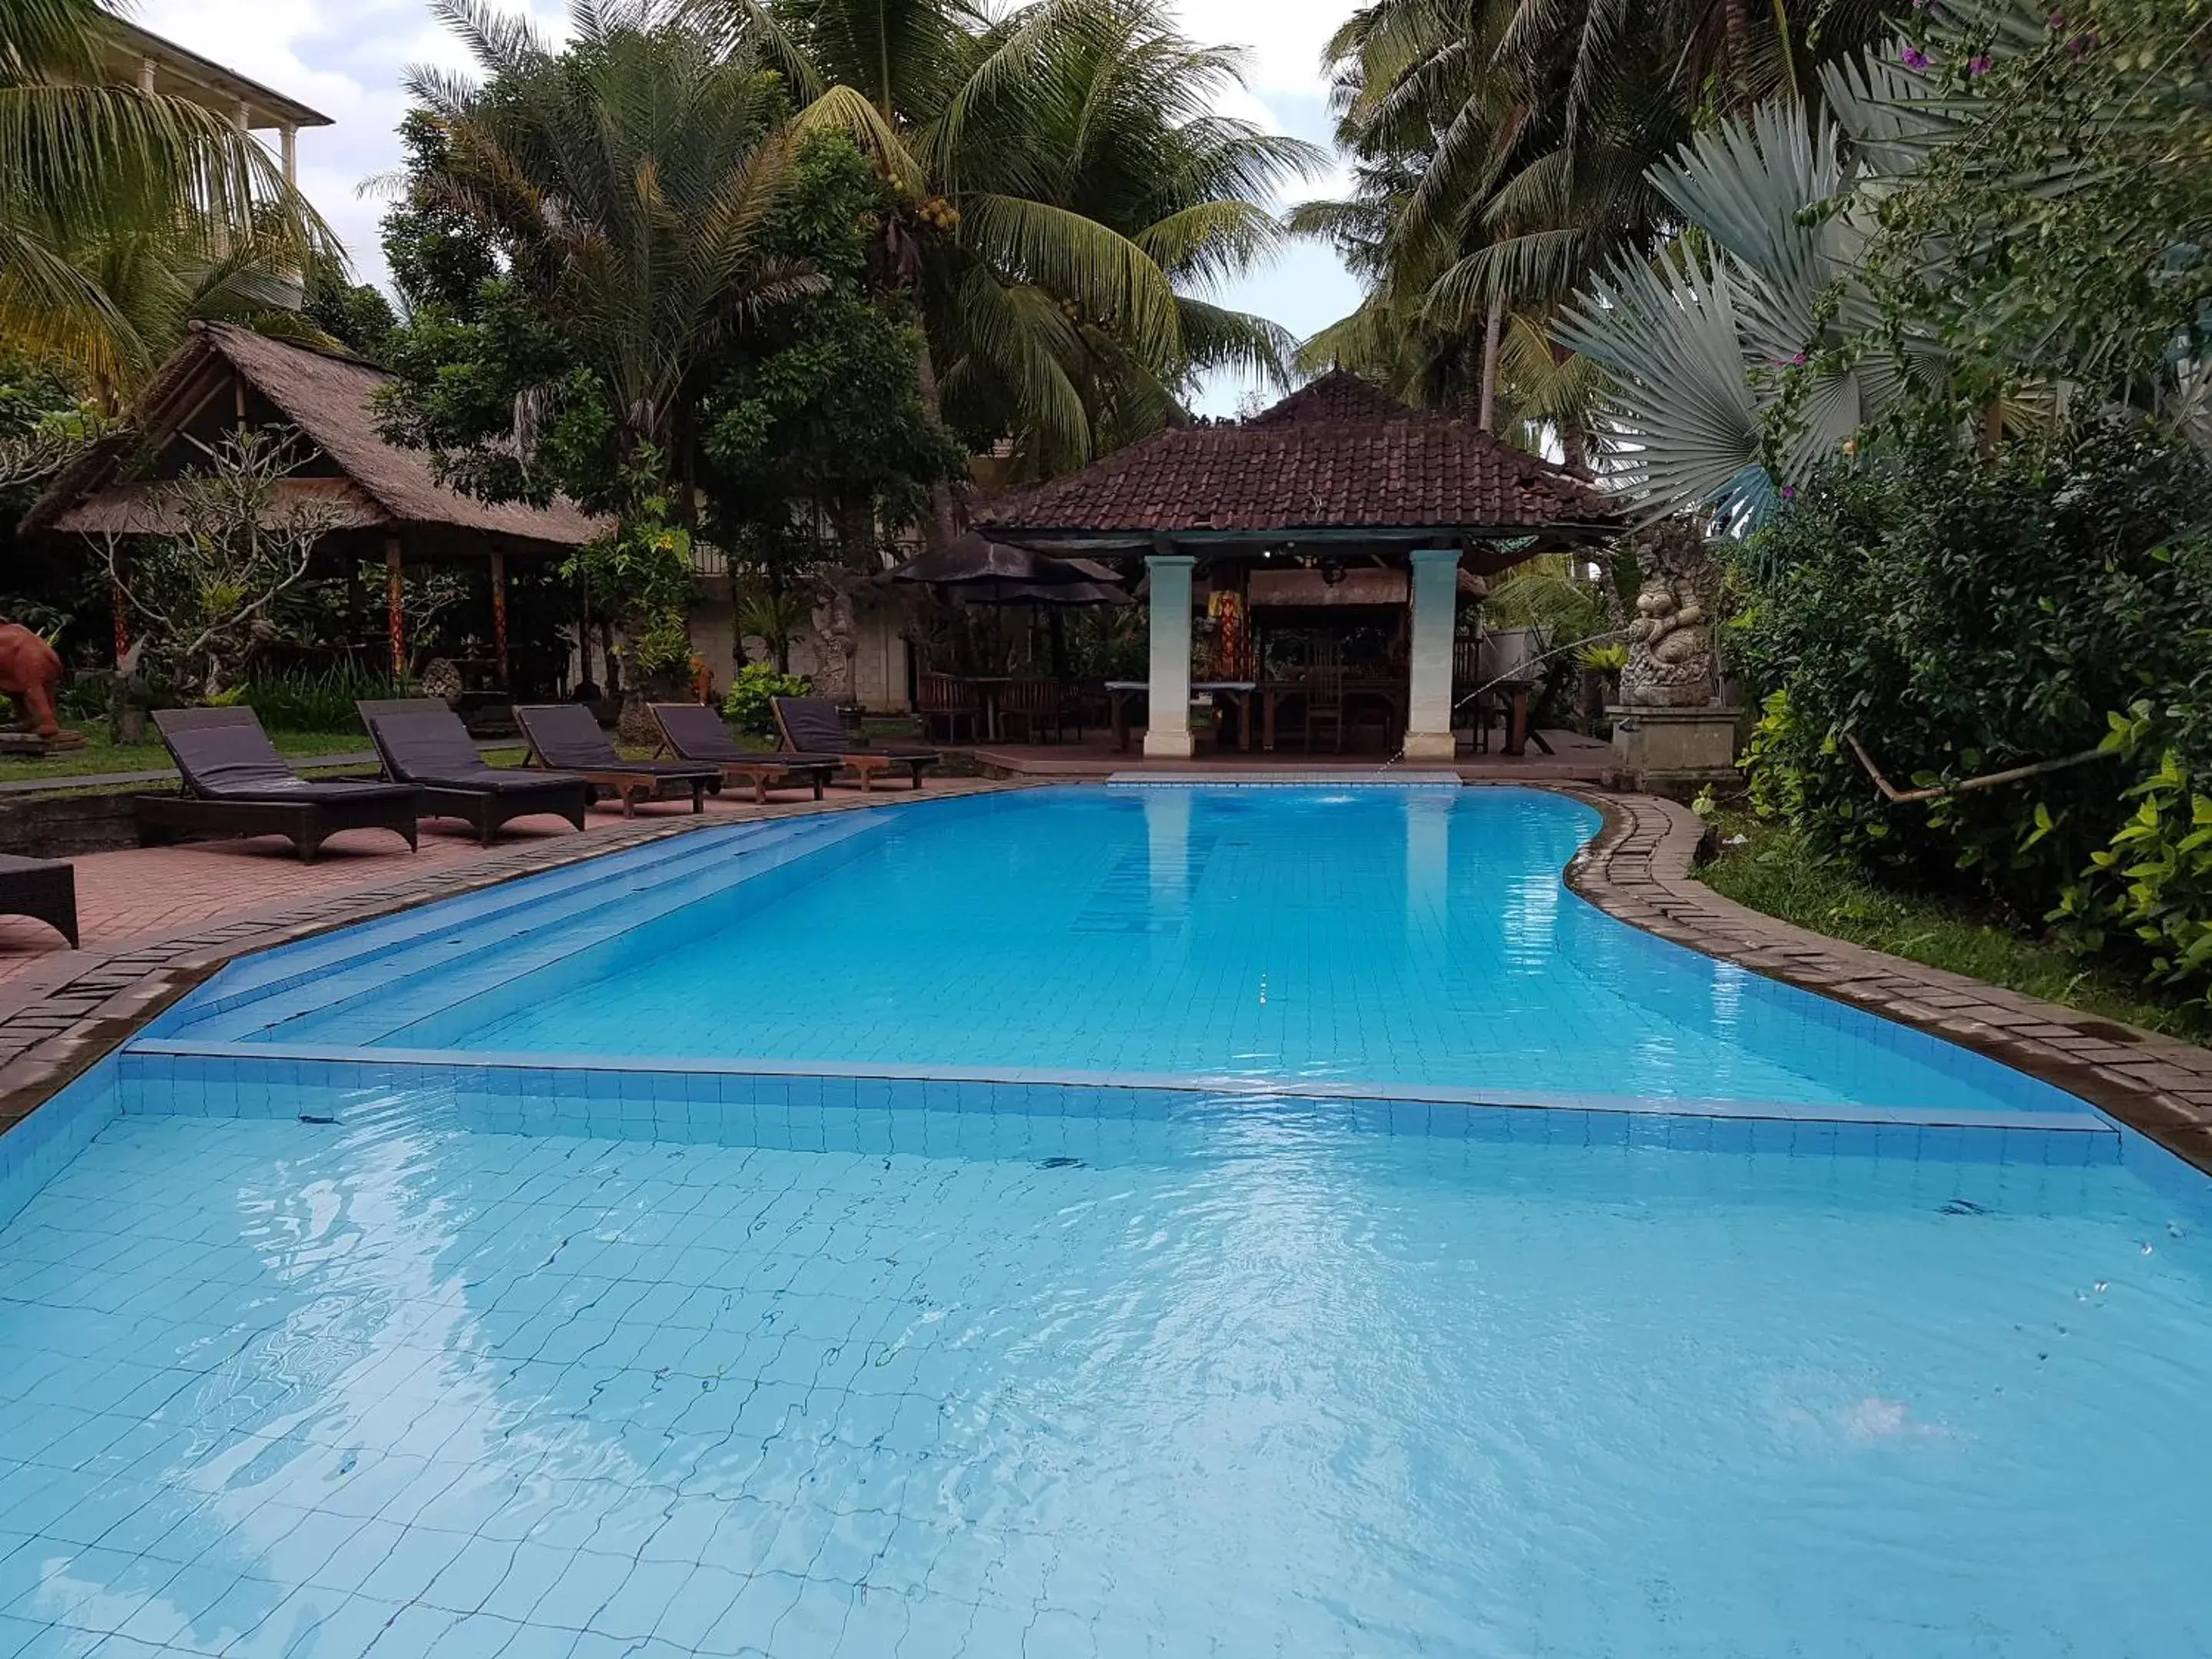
(1339, 454)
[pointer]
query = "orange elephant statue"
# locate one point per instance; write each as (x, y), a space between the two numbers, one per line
(30, 672)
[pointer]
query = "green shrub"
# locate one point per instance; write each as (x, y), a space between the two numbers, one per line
(2153, 885)
(1961, 615)
(748, 707)
(309, 700)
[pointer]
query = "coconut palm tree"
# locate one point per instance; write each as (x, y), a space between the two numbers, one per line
(1508, 151)
(1067, 199)
(88, 171)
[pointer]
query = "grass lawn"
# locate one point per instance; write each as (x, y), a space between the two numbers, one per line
(1775, 872)
(98, 755)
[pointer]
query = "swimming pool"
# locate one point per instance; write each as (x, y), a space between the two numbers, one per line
(349, 1317)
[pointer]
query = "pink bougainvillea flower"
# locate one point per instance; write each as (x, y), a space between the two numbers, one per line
(1979, 64)
(1915, 58)
(1789, 492)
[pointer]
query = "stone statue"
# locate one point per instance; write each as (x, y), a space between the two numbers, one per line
(1671, 661)
(30, 671)
(1671, 651)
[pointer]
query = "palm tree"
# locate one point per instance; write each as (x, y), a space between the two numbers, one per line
(1508, 151)
(95, 177)
(1065, 199)
(625, 177)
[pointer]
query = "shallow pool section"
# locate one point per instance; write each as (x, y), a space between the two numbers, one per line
(361, 1373)
(1382, 944)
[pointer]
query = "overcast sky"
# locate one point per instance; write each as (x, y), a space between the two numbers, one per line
(344, 58)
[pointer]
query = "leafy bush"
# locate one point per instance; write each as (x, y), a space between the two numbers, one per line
(2153, 885)
(1961, 615)
(306, 700)
(748, 706)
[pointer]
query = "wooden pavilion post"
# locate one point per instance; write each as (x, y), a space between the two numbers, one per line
(395, 607)
(499, 619)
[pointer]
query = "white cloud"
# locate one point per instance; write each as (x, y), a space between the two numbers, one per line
(1284, 37)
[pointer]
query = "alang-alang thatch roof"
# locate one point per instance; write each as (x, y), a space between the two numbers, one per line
(1339, 459)
(222, 376)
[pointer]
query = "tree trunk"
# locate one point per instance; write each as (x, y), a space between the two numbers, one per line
(943, 523)
(1494, 333)
(1573, 446)
(1735, 20)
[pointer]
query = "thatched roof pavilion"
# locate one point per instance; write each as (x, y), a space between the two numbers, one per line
(385, 499)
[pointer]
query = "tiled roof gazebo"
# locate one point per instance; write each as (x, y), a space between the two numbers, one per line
(1338, 468)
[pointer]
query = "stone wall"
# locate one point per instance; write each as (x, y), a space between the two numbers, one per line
(67, 826)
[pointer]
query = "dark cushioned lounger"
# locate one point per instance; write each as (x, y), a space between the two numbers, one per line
(235, 783)
(422, 742)
(564, 736)
(42, 889)
(693, 732)
(810, 726)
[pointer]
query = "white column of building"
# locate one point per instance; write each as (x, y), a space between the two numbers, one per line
(1166, 729)
(1428, 699)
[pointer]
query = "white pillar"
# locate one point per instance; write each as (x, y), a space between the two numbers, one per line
(291, 138)
(1167, 728)
(1428, 699)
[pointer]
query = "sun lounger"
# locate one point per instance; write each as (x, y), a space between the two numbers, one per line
(422, 742)
(235, 783)
(42, 889)
(694, 731)
(565, 736)
(810, 726)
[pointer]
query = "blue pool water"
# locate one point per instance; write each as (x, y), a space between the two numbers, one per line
(1375, 939)
(382, 1341)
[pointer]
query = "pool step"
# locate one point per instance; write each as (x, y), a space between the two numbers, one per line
(278, 969)
(409, 962)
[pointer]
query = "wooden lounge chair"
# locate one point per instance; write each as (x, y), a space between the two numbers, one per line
(234, 782)
(565, 737)
(810, 726)
(43, 889)
(424, 744)
(695, 732)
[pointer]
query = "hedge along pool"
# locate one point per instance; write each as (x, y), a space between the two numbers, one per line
(1211, 1221)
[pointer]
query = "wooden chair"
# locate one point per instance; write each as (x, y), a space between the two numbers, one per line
(1324, 686)
(942, 697)
(1036, 704)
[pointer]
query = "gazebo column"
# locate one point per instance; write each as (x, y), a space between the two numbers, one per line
(1428, 699)
(395, 607)
(1166, 729)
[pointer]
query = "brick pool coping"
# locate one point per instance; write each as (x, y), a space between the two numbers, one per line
(1638, 870)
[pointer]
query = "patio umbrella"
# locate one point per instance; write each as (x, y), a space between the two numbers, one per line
(973, 560)
(1068, 594)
